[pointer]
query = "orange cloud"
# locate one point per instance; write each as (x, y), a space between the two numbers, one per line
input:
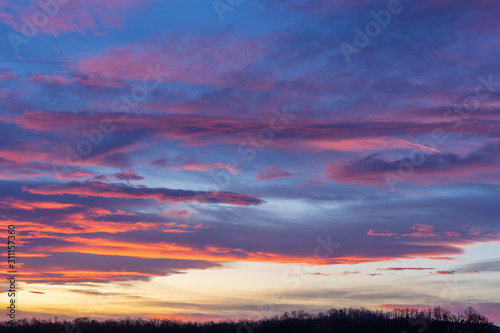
(79, 223)
(440, 258)
(11, 203)
(472, 272)
(365, 144)
(61, 275)
(164, 250)
(404, 269)
(376, 232)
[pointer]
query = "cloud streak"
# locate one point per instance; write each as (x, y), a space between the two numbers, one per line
(100, 189)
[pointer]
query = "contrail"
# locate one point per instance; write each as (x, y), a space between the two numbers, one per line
(414, 144)
(57, 44)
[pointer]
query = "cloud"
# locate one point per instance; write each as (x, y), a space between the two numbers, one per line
(421, 231)
(405, 269)
(12, 203)
(376, 232)
(184, 59)
(85, 16)
(318, 274)
(87, 80)
(472, 272)
(424, 230)
(436, 168)
(345, 273)
(65, 267)
(490, 265)
(215, 232)
(89, 223)
(273, 172)
(176, 213)
(127, 175)
(382, 143)
(196, 128)
(208, 166)
(99, 189)
(162, 250)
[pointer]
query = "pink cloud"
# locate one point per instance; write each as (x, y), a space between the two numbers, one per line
(345, 273)
(376, 232)
(208, 166)
(99, 189)
(423, 227)
(422, 230)
(425, 230)
(127, 175)
(177, 213)
(73, 16)
(201, 59)
(90, 80)
(481, 164)
(318, 274)
(273, 172)
(365, 144)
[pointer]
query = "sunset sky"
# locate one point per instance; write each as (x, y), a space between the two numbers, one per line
(239, 159)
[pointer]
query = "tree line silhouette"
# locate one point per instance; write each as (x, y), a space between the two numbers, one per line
(346, 320)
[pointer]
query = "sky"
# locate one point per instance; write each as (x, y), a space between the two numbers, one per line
(238, 159)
